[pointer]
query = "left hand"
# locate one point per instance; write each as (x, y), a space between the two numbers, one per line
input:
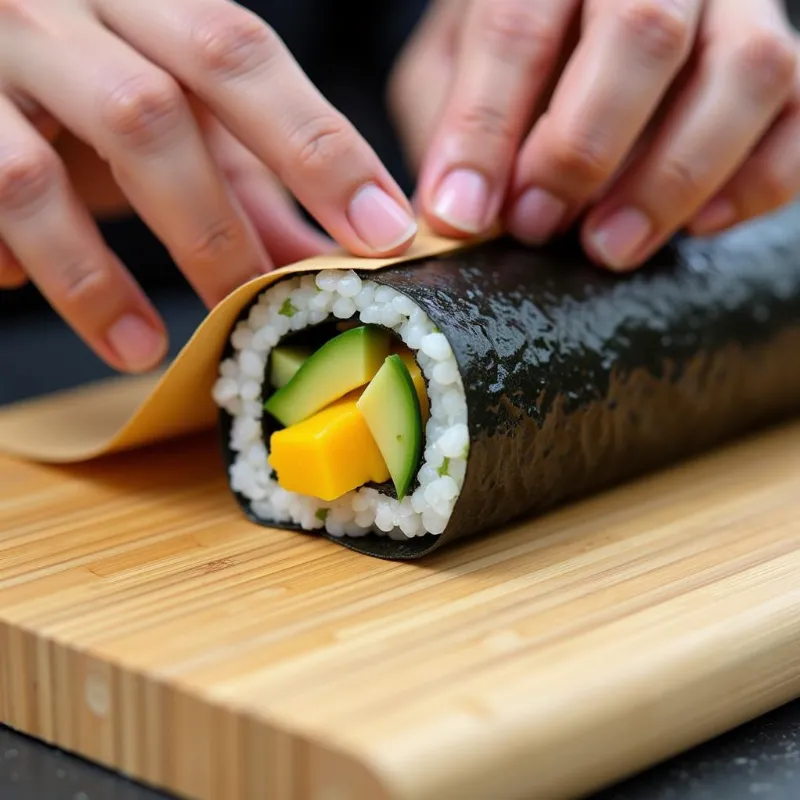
(642, 116)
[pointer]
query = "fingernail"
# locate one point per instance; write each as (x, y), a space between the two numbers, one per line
(380, 222)
(136, 342)
(463, 200)
(719, 213)
(618, 239)
(536, 216)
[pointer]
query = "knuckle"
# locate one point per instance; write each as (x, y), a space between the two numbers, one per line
(767, 60)
(581, 160)
(661, 30)
(233, 42)
(514, 25)
(218, 240)
(322, 142)
(678, 181)
(484, 121)
(25, 177)
(81, 282)
(144, 110)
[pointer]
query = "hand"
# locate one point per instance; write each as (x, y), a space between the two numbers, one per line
(202, 117)
(642, 116)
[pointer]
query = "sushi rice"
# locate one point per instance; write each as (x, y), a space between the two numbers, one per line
(300, 302)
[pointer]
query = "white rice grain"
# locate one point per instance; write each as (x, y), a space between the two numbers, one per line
(250, 390)
(445, 373)
(436, 346)
(344, 308)
(349, 285)
(453, 441)
(242, 336)
(365, 297)
(225, 389)
(251, 364)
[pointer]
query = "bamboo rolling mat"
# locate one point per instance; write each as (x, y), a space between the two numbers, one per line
(145, 625)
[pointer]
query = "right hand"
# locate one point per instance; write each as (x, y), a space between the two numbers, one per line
(203, 117)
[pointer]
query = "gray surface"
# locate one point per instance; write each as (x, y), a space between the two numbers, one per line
(760, 761)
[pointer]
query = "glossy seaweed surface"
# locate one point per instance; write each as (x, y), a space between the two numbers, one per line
(577, 379)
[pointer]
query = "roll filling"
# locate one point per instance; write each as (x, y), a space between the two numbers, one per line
(348, 410)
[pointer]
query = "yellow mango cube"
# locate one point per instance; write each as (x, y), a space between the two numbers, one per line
(328, 454)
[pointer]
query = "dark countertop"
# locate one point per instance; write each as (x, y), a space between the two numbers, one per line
(760, 760)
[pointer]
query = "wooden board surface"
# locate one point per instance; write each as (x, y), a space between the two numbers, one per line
(145, 625)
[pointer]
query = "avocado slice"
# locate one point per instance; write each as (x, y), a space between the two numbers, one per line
(342, 364)
(390, 407)
(416, 377)
(284, 363)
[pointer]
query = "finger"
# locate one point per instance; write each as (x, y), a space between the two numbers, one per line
(506, 55)
(44, 122)
(137, 117)
(421, 78)
(92, 178)
(12, 276)
(629, 54)
(769, 179)
(242, 71)
(743, 78)
(286, 235)
(48, 231)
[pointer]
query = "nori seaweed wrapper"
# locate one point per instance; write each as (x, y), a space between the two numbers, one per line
(577, 379)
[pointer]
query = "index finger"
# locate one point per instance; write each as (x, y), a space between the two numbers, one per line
(630, 53)
(243, 72)
(509, 51)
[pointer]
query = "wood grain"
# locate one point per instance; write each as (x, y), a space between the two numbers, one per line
(145, 625)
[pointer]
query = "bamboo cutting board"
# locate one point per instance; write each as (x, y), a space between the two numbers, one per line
(146, 625)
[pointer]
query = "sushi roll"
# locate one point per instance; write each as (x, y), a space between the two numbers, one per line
(398, 409)
(361, 424)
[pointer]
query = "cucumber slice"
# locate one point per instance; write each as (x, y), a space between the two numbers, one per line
(284, 363)
(390, 407)
(342, 364)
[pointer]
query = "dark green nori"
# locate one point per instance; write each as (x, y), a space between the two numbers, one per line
(577, 379)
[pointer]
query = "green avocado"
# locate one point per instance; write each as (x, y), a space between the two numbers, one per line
(390, 407)
(342, 364)
(284, 363)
